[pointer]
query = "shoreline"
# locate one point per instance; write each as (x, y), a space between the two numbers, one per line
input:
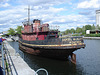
(92, 38)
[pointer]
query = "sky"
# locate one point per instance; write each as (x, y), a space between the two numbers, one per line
(66, 14)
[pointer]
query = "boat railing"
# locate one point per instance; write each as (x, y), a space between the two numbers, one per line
(53, 28)
(44, 28)
(71, 40)
(65, 40)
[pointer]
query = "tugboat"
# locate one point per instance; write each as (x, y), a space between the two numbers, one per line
(41, 40)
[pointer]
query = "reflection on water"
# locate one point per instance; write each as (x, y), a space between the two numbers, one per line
(54, 67)
(88, 61)
(89, 58)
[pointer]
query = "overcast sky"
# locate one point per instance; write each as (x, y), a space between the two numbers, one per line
(65, 13)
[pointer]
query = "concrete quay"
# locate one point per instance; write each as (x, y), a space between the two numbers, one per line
(20, 65)
(93, 38)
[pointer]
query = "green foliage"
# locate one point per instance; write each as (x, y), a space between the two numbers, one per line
(82, 30)
(18, 29)
(98, 27)
(78, 30)
(3, 35)
(88, 27)
(92, 35)
(93, 27)
(72, 30)
(67, 31)
(11, 31)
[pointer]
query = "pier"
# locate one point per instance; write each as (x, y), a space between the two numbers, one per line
(14, 62)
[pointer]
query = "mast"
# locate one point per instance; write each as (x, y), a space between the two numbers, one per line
(29, 14)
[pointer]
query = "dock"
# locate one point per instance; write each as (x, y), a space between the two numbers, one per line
(17, 64)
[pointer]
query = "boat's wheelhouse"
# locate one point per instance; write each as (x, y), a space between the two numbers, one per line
(38, 31)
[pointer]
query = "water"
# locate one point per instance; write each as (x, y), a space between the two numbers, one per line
(88, 61)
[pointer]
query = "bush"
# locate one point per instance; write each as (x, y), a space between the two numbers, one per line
(92, 35)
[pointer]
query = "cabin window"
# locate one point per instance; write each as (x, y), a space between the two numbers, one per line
(37, 38)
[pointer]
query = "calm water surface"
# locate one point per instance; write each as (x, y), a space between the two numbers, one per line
(88, 61)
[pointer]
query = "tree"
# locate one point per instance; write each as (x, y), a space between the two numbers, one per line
(83, 30)
(93, 27)
(67, 31)
(72, 30)
(78, 30)
(18, 29)
(11, 31)
(88, 27)
(98, 27)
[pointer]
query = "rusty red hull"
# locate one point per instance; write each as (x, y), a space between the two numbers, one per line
(49, 53)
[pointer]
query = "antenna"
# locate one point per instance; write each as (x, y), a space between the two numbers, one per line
(28, 13)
